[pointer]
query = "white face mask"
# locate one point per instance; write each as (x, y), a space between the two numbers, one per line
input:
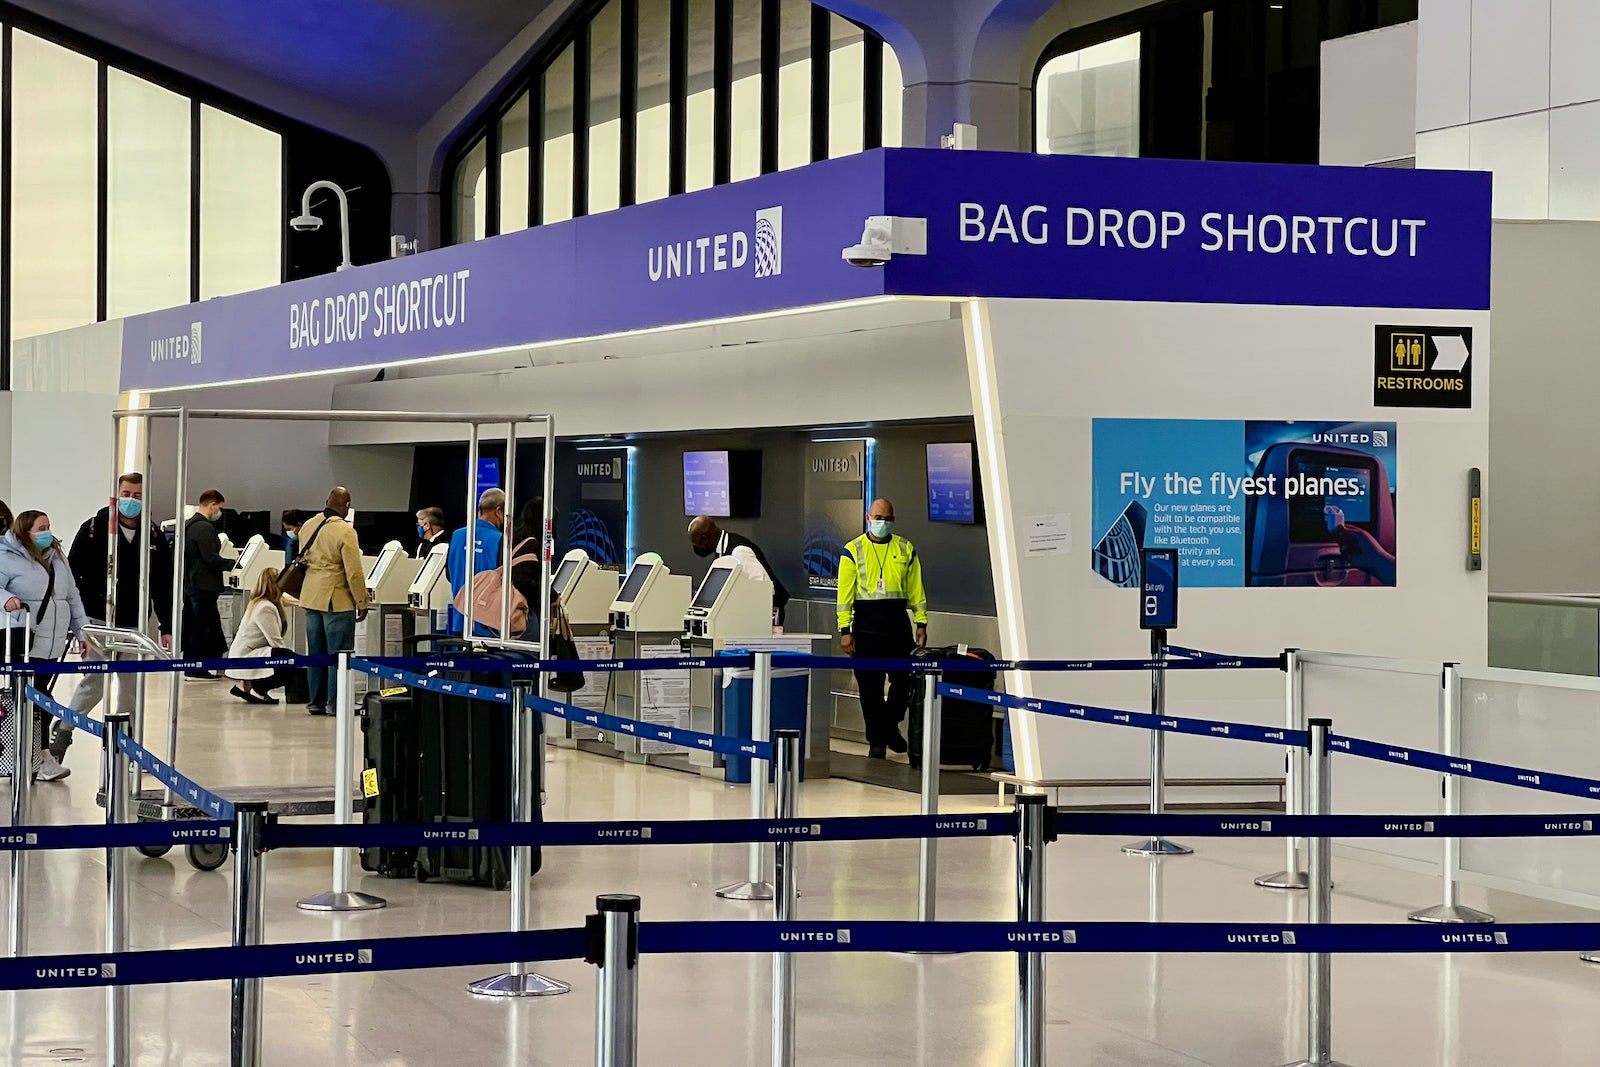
(881, 528)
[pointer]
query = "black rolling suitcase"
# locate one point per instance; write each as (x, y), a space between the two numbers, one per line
(390, 745)
(966, 730)
(466, 771)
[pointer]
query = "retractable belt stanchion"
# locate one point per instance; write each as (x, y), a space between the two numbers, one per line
(1294, 792)
(1452, 910)
(115, 770)
(1157, 846)
(341, 898)
(526, 768)
(249, 926)
(928, 850)
(1032, 817)
(786, 758)
(756, 887)
(23, 730)
(1319, 965)
(614, 947)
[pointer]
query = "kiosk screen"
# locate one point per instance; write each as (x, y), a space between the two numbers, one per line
(1329, 481)
(636, 579)
(712, 587)
(564, 575)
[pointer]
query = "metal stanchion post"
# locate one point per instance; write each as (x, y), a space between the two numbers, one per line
(1294, 792)
(928, 852)
(115, 770)
(1319, 965)
(341, 898)
(756, 887)
(1452, 910)
(23, 730)
(786, 757)
(615, 948)
(526, 766)
(249, 926)
(1032, 814)
(1155, 845)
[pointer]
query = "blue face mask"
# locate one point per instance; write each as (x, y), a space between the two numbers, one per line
(422, 533)
(128, 507)
(880, 528)
(44, 539)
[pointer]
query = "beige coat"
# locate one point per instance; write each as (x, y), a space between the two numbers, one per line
(335, 578)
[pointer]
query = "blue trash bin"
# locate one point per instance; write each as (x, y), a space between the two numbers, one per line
(791, 690)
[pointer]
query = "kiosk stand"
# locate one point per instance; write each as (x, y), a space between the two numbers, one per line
(389, 582)
(429, 595)
(586, 590)
(1158, 613)
(647, 616)
(731, 611)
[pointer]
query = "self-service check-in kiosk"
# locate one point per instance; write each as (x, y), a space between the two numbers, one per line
(429, 594)
(732, 609)
(647, 621)
(389, 580)
(255, 558)
(586, 590)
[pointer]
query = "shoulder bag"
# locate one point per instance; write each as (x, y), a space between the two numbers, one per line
(487, 591)
(293, 578)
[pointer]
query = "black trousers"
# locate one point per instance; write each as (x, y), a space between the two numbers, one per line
(881, 713)
(202, 626)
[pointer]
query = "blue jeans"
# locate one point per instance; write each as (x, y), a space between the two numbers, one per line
(327, 632)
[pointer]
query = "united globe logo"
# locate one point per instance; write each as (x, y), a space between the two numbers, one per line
(769, 242)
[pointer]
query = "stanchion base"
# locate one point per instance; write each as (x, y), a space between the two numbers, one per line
(1450, 913)
(331, 901)
(747, 891)
(1589, 957)
(1157, 846)
(1317, 1063)
(1285, 880)
(518, 985)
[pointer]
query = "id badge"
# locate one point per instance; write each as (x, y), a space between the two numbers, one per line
(882, 588)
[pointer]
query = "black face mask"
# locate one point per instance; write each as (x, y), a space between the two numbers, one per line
(704, 552)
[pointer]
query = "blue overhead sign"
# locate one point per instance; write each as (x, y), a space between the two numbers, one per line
(999, 224)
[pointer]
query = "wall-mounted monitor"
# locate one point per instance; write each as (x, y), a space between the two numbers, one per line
(722, 483)
(952, 483)
(488, 473)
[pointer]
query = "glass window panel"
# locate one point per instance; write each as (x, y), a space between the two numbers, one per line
(654, 148)
(746, 89)
(893, 99)
(558, 141)
(242, 209)
(147, 201)
(605, 113)
(55, 233)
(794, 84)
(846, 87)
(471, 186)
(514, 167)
(700, 117)
(1087, 102)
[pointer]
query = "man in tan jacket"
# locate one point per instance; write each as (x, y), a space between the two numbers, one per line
(334, 595)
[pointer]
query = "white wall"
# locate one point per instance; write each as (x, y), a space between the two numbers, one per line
(1214, 362)
(55, 453)
(906, 372)
(274, 465)
(1511, 86)
(1369, 97)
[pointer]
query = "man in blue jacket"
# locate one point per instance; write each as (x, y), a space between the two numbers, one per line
(486, 532)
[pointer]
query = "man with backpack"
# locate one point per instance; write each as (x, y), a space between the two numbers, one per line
(486, 533)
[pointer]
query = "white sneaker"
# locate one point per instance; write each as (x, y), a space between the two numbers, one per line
(50, 770)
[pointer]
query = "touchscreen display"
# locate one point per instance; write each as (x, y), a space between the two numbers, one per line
(1325, 482)
(636, 579)
(564, 575)
(712, 587)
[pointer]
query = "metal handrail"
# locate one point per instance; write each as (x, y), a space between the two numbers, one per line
(1549, 600)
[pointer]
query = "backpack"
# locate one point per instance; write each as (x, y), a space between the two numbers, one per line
(487, 590)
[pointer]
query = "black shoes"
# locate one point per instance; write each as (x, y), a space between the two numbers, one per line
(896, 743)
(876, 752)
(251, 697)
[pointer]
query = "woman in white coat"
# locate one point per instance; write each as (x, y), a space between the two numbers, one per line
(260, 634)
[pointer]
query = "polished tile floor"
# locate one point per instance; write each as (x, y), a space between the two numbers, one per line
(932, 1011)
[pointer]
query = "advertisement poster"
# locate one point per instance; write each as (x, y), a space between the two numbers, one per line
(1247, 503)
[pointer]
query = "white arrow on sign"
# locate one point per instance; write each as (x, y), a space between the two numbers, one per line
(1453, 354)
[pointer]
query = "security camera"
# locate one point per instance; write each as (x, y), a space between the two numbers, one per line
(886, 236)
(306, 223)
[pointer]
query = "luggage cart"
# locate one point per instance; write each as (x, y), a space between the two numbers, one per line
(149, 805)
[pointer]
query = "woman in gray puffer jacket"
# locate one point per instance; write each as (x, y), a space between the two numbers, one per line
(38, 594)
